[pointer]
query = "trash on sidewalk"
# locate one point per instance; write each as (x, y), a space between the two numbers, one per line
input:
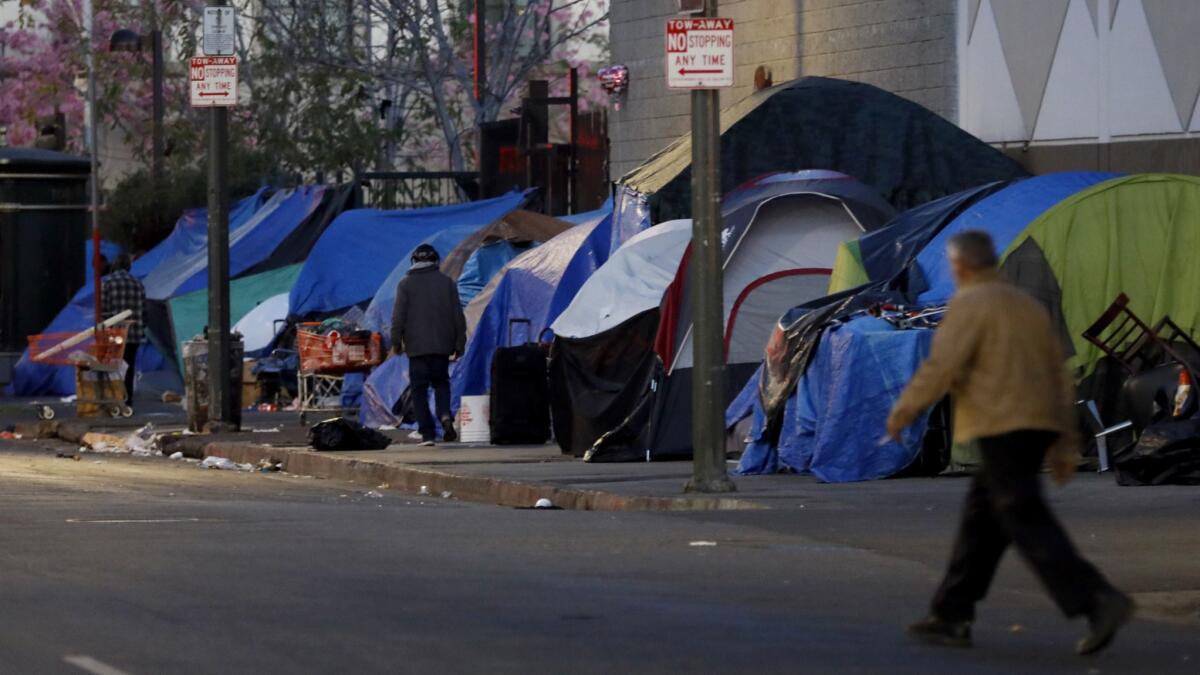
(9, 436)
(143, 443)
(267, 466)
(342, 434)
(224, 464)
(702, 543)
(176, 455)
(424, 490)
(446, 494)
(67, 399)
(373, 494)
(68, 455)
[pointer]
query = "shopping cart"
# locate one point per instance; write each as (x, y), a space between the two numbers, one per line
(325, 360)
(97, 355)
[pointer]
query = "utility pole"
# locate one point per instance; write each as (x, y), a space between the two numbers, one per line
(708, 344)
(220, 393)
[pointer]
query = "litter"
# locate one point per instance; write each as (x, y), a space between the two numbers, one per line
(543, 503)
(176, 455)
(702, 543)
(67, 455)
(424, 490)
(67, 399)
(270, 430)
(373, 494)
(447, 494)
(224, 464)
(9, 436)
(143, 442)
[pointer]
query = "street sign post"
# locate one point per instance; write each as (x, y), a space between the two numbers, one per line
(214, 81)
(220, 27)
(699, 53)
(700, 58)
(214, 85)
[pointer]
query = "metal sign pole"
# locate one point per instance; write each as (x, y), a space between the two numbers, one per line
(708, 344)
(219, 356)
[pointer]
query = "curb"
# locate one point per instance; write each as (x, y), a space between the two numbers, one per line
(500, 492)
(478, 489)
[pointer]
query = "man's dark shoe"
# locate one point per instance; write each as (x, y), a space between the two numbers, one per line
(448, 433)
(1113, 610)
(943, 633)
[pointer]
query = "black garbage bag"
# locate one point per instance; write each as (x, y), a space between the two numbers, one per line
(1168, 453)
(343, 434)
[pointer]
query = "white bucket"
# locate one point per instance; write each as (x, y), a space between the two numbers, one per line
(473, 418)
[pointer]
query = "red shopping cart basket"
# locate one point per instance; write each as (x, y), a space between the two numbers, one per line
(104, 346)
(335, 352)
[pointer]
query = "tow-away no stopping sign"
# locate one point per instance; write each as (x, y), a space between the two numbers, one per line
(699, 53)
(214, 81)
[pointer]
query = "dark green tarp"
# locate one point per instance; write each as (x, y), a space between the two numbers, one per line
(907, 153)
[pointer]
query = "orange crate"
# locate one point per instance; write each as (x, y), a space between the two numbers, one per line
(336, 353)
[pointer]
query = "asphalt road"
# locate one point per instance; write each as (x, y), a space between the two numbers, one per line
(114, 565)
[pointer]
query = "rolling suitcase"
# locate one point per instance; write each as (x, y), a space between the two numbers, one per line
(520, 399)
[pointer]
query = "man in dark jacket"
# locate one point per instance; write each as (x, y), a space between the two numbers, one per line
(428, 325)
(119, 292)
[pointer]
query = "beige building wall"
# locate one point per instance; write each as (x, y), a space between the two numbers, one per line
(905, 46)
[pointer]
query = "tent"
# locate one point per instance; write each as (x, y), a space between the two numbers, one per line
(883, 255)
(1072, 240)
(362, 247)
(902, 151)
(537, 285)
(480, 256)
(778, 246)
(189, 312)
(603, 352)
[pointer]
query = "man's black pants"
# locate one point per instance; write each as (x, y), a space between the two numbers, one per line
(131, 350)
(432, 370)
(1005, 505)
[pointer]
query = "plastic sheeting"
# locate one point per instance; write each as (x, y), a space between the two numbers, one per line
(485, 263)
(379, 312)
(1004, 215)
(362, 248)
(833, 422)
(108, 249)
(258, 326)
(189, 238)
(631, 282)
(536, 286)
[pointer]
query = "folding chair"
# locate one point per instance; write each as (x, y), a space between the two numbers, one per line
(1095, 426)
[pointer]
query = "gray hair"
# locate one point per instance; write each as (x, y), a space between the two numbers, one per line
(974, 248)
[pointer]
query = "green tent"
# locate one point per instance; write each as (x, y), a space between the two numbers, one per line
(1138, 235)
(189, 312)
(907, 153)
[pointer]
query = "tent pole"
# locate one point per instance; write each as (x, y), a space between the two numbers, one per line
(708, 342)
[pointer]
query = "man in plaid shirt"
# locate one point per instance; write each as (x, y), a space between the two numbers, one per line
(121, 291)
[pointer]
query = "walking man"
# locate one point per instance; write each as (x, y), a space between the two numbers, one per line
(122, 291)
(998, 355)
(428, 325)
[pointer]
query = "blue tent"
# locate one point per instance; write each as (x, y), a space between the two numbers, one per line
(108, 249)
(177, 264)
(485, 263)
(538, 286)
(361, 248)
(379, 312)
(1004, 215)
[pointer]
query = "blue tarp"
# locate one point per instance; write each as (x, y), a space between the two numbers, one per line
(379, 312)
(1004, 215)
(256, 228)
(362, 247)
(108, 249)
(537, 286)
(835, 418)
(485, 263)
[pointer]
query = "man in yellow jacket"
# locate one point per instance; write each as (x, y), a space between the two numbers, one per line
(998, 355)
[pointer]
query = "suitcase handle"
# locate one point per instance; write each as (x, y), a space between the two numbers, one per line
(528, 329)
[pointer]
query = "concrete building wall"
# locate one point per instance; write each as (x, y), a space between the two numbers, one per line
(905, 46)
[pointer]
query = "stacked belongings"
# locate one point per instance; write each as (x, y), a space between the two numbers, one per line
(1074, 241)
